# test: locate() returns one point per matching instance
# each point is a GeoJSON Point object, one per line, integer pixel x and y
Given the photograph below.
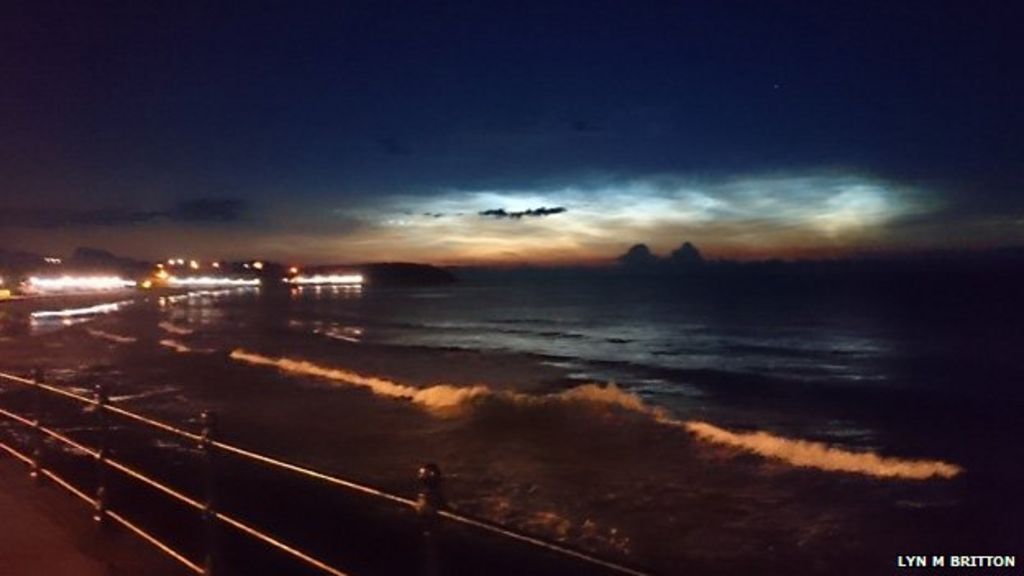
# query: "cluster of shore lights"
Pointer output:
{"type": "Point", "coordinates": [193, 264]}
{"type": "Point", "coordinates": [80, 283]}
{"type": "Point", "coordinates": [211, 281]}
{"type": "Point", "coordinates": [328, 279]}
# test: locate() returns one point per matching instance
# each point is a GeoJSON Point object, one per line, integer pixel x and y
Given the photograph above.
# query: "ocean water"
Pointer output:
{"type": "Point", "coordinates": [789, 425]}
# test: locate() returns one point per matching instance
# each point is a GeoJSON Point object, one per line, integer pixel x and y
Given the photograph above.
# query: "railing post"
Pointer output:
{"type": "Point", "coordinates": [36, 471]}
{"type": "Point", "coordinates": [100, 513]}
{"type": "Point", "coordinates": [428, 502]}
{"type": "Point", "coordinates": [429, 499]}
{"type": "Point", "coordinates": [209, 420]}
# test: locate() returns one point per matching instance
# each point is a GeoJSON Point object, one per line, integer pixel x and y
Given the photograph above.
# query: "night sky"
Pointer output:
{"type": "Point", "coordinates": [485, 132]}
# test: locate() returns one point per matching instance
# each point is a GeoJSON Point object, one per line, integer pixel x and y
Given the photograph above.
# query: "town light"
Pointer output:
{"type": "Point", "coordinates": [320, 279]}
{"type": "Point", "coordinates": [79, 283]}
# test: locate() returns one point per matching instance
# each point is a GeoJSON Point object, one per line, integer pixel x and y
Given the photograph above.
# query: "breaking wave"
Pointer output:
{"type": "Point", "coordinates": [822, 456]}
{"type": "Point", "coordinates": [796, 452]}
{"type": "Point", "coordinates": [437, 396]}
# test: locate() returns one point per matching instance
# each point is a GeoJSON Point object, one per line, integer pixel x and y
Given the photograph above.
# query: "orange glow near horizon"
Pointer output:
{"type": "Point", "coordinates": [825, 215]}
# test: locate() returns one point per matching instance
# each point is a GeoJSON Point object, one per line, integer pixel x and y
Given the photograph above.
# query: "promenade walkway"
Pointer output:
{"type": "Point", "coordinates": [45, 531]}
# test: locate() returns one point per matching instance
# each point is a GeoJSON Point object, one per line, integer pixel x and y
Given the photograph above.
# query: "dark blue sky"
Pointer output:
{"type": "Point", "coordinates": [369, 130]}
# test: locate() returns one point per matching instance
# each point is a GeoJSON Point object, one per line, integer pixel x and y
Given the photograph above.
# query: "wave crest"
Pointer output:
{"type": "Point", "coordinates": [796, 452]}
{"type": "Point", "coordinates": [436, 396]}
{"type": "Point", "coordinates": [804, 453]}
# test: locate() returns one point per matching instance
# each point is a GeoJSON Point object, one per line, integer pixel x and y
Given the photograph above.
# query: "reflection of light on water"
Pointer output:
{"type": "Point", "coordinates": [203, 295]}
{"type": "Point", "coordinates": [211, 281]}
{"type": "Point", "coordinates": [72, 312]}
{"type": "Point", "coordinates": [352, 334]}
{"type": "Point", "coordinates": [51, 319]}
{"type": "Point", "coordinates": [329, 290]}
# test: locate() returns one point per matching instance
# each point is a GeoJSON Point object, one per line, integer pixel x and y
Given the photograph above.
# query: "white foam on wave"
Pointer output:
{"type": "Point", "coordinates": [174, 329]}
{"type": "Point", "coordinates": [819, 455]}
{"type": "Point", "coordinates": [111, 337]}
{"type": "Point", "coordinates": [793, 451]}
{"type": "Point", "coordinates": [437, 396]}
{"type": "Point", "coordinates": [796, 452]}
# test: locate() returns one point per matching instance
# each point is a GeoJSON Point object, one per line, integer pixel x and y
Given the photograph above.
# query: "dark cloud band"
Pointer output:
{"type": "Point", "coordinates": [501, 213]}
{"type": "Point", "coordinates": [200, 210]}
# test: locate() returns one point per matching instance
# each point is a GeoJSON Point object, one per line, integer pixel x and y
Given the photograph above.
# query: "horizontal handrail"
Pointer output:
{"type": "Point", "coordinates": [283, 465]}
{"type": "Point", "coordinates": [16, 453]}
{"type": "Point", "coordinates": [155, 484]}
{"type": "Point", "coordinates": [496, 529]}
{"type": "Point", "coordinates": [152, 423]}
{"type": "Point", "coordinates": [267, 539]}
{"type": "Point", "coordinates": [17, 417]}
{"type": "Point", "coordinates": [309, 472]}
{"type": "Point", "coordinates": [156, 542]}
{"type": "Point", "coordinates": [48, 388]}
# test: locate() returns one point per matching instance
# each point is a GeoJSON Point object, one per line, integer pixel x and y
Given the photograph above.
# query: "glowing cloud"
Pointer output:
{"type": "Point", "coordinates": [757, 215]}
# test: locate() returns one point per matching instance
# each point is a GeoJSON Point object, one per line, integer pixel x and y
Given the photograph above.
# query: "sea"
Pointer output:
{"type": "Point", "coordinates": [772, 422]}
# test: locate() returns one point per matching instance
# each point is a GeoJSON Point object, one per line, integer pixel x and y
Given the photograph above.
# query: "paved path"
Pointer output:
{"type": "Point", "coordinates": [44, 531]}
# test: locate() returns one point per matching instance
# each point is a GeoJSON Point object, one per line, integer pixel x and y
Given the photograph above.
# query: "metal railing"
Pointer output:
{"type": "Point", "coordinates": [428, 505]}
